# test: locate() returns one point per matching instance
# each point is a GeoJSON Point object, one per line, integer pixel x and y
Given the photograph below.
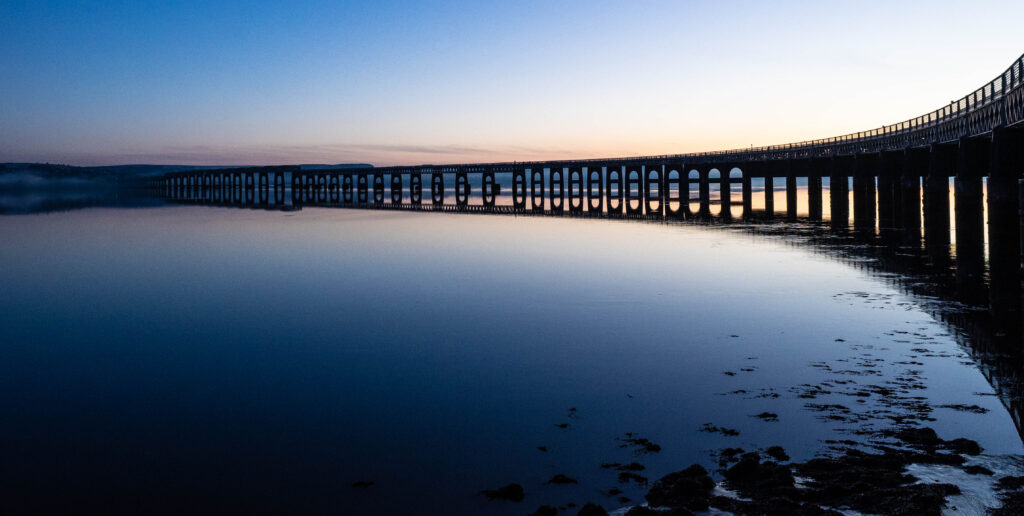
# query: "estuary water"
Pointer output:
{"type": "Point", "coordinates": [184, 359]}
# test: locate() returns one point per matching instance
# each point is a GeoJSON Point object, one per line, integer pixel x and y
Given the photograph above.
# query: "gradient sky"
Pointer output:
{"type": "Point", "coordinates": [389, 82]}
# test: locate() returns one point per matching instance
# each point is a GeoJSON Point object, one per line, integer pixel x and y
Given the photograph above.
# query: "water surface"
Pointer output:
{"type": "Point", "coordinates": [182, 358]}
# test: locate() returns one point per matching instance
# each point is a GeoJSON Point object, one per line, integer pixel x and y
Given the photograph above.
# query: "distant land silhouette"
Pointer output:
{"type": "Point", "coordinates": [46, 175]}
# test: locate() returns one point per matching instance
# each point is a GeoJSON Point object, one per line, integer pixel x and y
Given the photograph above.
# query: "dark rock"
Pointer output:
{"type": "Point", "coordinates": [591, 509]}
{"type": "Point", "coordinates": [641, 445]}
{"type": "Point", "coordinates": [965, 446]}
{"type": "Point", "coordinates": [977, 470]}
{"type": "Point", "coordinates": [711, 429]}
{"type": "Point", "coordinates": [756, 479]}
{"type": "Point", "coordinates": [965, 408]}
{"type": "Point", "coordinates": [632, 466]}
{"type": "Point", "coordinates": [542, 448]}
{"type": "Point", "coordinates": [768, 416]}
{"type": "Point", "coordinates": [777, 453]}
{"type": "Point", "coordinates": [562, 479]}
{"type": "Point", "coordinates": [512, 492]}
{"type": "Point", "coordinates": [545, 510]}
{"type": "Point", "coordinates": [688, 489]}
{"type": "Point", "coordinates": [362, 483]}
{"type": "Point", "coordinates": [1013, 504]}
{"type": "Point", "coordinates": [1010, 483]}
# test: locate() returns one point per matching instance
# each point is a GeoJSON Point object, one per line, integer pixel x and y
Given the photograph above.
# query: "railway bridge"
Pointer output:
{"type": "Point", "coordinates": [898, 175]}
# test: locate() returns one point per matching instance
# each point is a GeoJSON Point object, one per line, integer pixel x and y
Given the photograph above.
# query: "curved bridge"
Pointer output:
{"type": "Point", "coordinates": [954, 140]}
{"type": "Point", "coordinates": [893, 172]}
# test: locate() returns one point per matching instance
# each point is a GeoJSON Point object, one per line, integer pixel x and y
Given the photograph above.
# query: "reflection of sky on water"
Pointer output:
{"type": "Point", "coordinates": [277, 358]}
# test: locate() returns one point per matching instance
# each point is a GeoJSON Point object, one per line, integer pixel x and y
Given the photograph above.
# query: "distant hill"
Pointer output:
{"type": "Point", "coordinates": [46, 175]}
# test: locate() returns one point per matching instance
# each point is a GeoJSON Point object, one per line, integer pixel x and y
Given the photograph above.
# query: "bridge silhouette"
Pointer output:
{"type": "Point", "coordinates": [899, 177]}
{"type": "Point", "coordinates": [976, 136]}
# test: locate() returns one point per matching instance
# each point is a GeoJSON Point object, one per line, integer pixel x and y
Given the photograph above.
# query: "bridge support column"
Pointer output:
{"type": "Point", "coordinates": [748, 194]}
{"type": "Point", "coordinates": [971, 164]}
{"type": "Point", "coordinates": [814, 193]}
{"type": "Point", "coordinates": [519, 189]}
{"type": "Point", "coordinates": [436, 190]}
{"type": "Point", "coordinates": [537, 189]}
{"type": "Point", "coordinates": [941, 165]}
{"type": "Point", "coordinates": [416, 189]}
{"type": "Point", "coordinates": [595, 197]}
{"type": "Point", "coordinates": [576, 193]}
{"type": "Point", "coordinates": [634, 181]}
{"type": "Point", "coordinates": [490, 189]}
{"type": "Point", "coordinates": [654, 177]}
{"type": "Point", "coordinates": [556, 183]}
{"type": "Point", "coordinates": [915, 166]}
{"type": "Point", "coordinates": [613, 196]}
{"type": "Point", "coordinates": [396, 189]}
{"type": "Point", "coordinates": [462, 190]}
{"type": "Point", "coordinates": [890, 164]}
{"type": "Point", "coordinates": [769, 192]}
{"type": "Point", "coordinates": [725, 191]}
{"type": "Point", "coordinates": [790, 189]}
{"type": "Point", "coordinates": [865, 170]}
{"type": "Point", "coordinates": [1004, 227]}
{"type": "Point", "coordinates": [839, 201]}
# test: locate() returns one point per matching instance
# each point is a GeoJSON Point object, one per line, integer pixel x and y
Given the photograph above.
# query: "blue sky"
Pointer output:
{"type": "Point", "coordinates": [263, 82]}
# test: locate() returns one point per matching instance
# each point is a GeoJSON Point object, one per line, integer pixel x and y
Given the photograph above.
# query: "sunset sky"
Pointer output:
{"type": "Point", "coordinates": [273, 82]}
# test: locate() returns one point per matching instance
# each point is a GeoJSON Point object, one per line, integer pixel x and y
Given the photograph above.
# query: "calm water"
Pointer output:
{"type": "Point", "coordinates": [181, 358]}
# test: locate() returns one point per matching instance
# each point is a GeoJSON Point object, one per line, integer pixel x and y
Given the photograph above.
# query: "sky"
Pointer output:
{"type": "Point", "coordinates": [266, 82]}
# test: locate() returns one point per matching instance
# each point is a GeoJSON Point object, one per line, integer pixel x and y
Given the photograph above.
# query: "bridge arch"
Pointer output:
{"type": "Point", "coordinates": [694, 179]}
{"type": "Point", "coordinates": [714, 189]}
{"type": "Point", "coordinates": [735, 191]}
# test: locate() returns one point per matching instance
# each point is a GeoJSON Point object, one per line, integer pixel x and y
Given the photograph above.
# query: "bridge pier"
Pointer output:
{"type": "Point", "coordinates": [557, 179]}
{"type": "Point", "coordinates": [1004, 227]}
{"type": "Point", "coordinates": [519, 189]}
{"type": "Point", "coordinates": [865, 170]}
{"type": "Point", "coordinates": [725, 191]}
{"type": "Point", "coordinates": [614, 196]}
{"type": "Point", "coordinates": [839, 170]}
{"type": "Point", "coordinates": [890, 164]}
{"type": "Point", "coordinates": [462, 190]}
{"type": "Point", "coordinates": [941, 165]}
{"type": "Point", "coordinates": [378, 188]}
{"type": "Point", "coordinates": [296, 189]}
{"type": "Point", "coordinates": [769, 191]}
{"type": "Point", "coordinates": [279, 188]}
{"type": "Point", "coordinates": [971, 164]}
{"type": "Point", "coordinates": [748, 194]}
{"type": "Point", "coordinates": [362, 186]}
{"type": "Point", "coordinates": [576, 190]}
{"type": "Point", "coordinates": [490, 189]}
{"type": "Point", "coordinates": [915, 165]}
{"type": "Point", "coordinates": [790, 173]}
{"type": "Point", "coordinates": [396, 189]}
{"type": "Point", "coordinates": [814, 190]}
{"type": "Point", "coordinates": [654, 177]}
{"type": "Point", "coordinates": [537, 189]}
{"type": "Point", "coordinates": [680, 186]}
{"type": "Point", "coordinates": [595, 199]}
{"type": "Point", "coordinates": [416, 189]}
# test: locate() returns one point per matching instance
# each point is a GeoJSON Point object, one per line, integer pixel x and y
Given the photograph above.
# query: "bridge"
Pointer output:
{"type": "Point", "coordinates": [976, 136]}
{"type": "Point", "coordinates": [898, 175]}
